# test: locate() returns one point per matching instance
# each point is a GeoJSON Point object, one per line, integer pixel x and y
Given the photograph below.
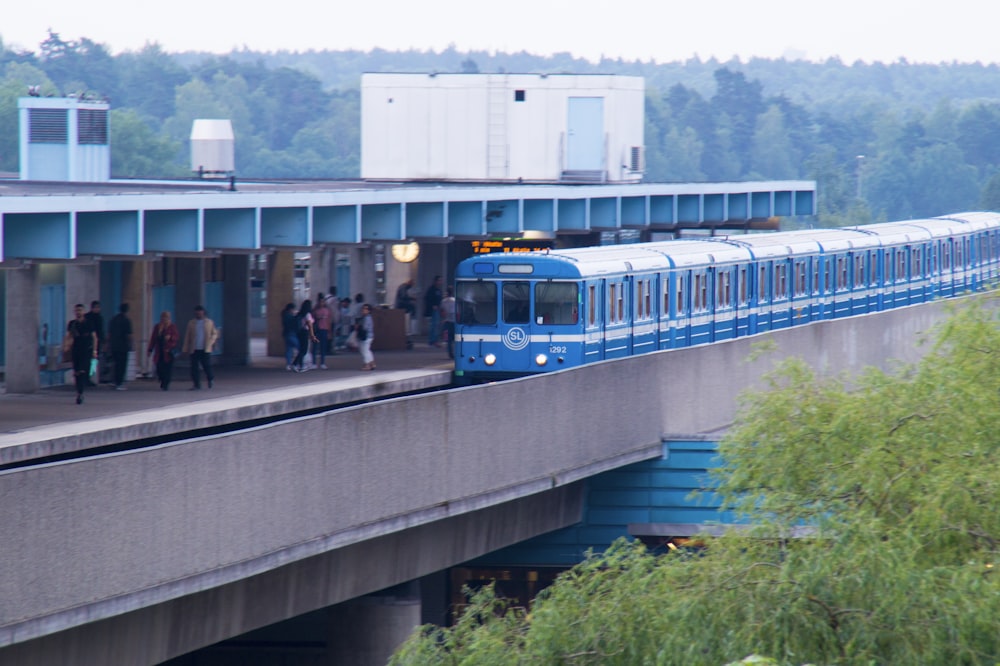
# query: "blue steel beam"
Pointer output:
{"type": "Point", "coordinates": [59, 225]}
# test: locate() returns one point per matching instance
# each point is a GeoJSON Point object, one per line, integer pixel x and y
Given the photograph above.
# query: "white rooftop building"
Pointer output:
{"type": "Point", "coordinates": [502, 127]}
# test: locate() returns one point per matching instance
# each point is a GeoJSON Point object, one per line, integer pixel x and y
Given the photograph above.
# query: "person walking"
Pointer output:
{"type": "Point", "coordinates": [81, 343]}
{"type": "Point", "coordinates": [162, 349]}
{"type": "Point", "coordinates": [120, 342]}
{"type": "Point", "coordinates": [306, 334]}
{"type": "Point", "coordinates": [324, 319]}
{"type": "Point", "coordinates": [290, 334]}
{"type": "Point", "coordinates": [365, 330]}
{"type": "Point", "coordinates": [96, 321]}
{"type": "Point", "coordinates": [199, 339]}
{"type": "Point", "coordinates": [448, 320]}
{"type": "Point", "coordinates": [432, 309]}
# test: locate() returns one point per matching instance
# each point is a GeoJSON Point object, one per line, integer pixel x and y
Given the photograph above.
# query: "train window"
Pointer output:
{"type": "Point", "coordinates": [616, 302]}
{"type": "Point", "coordinates": [946, 255]}
{"type": "Point", "coordinates": [648, 298]}
{"type": "Point", "coordinates": [828, 276]}
{"type": "Point", "coordinates": [762, 285]}
{"type": "Point", "coordinates": [516, 302]}
{"type": "Point", "coordinates": [639, 288]}
{"type": "Point", "coordinates": [612, 290]}
{"type": "Point", "coordinates": [841, 273]}
{"type": "Point", "coordinates": [681, 296]}
{"type": "Point", "coordinates": [591, 305]}
{"type": "Point", "coordinates": [476, 302]}
{"type": "Point", "coordinates": [959, 253]}
{"type": "Point", "coordinates": [780, 281]}
{"type": "Point", "coordinates": [916, 269]}
{"type": "Point", "coordinates": [859, 271]}
{"type": "Point", "coordinates": [742, 287]}
{"type": "Point", "coordinates": [800, 278]}
{"type": "Point", "coordinates": [724, 290]}
{"type": "Point", "coordinates": [556, 303]}
{"type": "Point", "coordinates": [900, 265]}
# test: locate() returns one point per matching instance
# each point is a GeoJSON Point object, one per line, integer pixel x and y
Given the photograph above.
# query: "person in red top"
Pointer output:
{"type": "Point", "coordinates": [324, 319]}
{"type": "Point", "coordinates": [163, 348]}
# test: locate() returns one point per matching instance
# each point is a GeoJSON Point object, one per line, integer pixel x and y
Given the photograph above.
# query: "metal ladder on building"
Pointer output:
{"type": "Point", "coordinates": [497, 163]}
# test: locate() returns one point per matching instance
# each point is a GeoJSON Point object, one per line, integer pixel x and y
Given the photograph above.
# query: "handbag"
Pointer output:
{"type": "Point", "coordinates": [93, 367]}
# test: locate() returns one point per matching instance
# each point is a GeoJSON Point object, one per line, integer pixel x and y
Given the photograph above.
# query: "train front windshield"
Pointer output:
{"type": "Point", "coordinates": [476, 303]}
{"type": "Point", "coordinates": [555, 303]}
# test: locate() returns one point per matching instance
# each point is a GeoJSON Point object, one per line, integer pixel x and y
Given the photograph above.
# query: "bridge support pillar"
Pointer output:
{"type": "Point", "coordinates": [280, 290]}
{"type": "Point", "coordinates": [22, 313]}
{"type": "Point", "coordinates": [366, 631]}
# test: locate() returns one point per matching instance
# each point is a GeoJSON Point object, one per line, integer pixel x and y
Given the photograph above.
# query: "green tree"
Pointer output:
{"type": "Point", "coordinates": [137, 151]}
{"type": "Point", "coordinates": [890, 480]}
{"type": "Point", "coordinates": [14, 85]}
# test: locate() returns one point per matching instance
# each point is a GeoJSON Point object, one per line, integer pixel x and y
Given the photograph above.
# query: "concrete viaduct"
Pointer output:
{"type": "Point", "coordinates": [140, 556]}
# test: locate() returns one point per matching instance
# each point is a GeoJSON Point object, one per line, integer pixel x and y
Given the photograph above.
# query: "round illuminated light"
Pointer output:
{"type": "Point", "coordinates": [405, 252]}
{"type": "Point", "coordinates": [490, 359]}
{"type": "Point", "coordinates": [541, 359]}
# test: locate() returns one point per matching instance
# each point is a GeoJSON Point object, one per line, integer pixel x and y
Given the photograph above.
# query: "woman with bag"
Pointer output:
{"type": "Point", "coordinates": [365, 331]}
{"type": "Point", "coordinates": [81, 344]}
{"type": "Point", "coordinates": [162, 348]}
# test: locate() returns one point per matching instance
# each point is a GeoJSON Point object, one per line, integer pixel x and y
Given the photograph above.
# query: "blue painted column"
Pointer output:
{"type": "Point", "coordinates": [22, 317]}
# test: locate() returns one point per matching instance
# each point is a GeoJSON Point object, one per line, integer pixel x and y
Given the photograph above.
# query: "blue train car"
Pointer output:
{"type": "Point", "coordinates": [529, 313]}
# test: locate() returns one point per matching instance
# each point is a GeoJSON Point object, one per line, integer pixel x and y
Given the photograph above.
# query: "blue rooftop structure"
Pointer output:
{"type": "Point", "coordinates": [64, 221]}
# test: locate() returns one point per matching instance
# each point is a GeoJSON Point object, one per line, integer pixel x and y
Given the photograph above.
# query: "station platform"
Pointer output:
{"type": "Point", "coordinates": [50, 423]}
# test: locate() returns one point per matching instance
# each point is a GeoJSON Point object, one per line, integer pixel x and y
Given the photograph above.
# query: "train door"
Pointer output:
{"type": "Point", "coordinates": [618, 329]}
{"type": "Point", "coordinates": [679, 308]}
{"type": "Point", "coordinates": [593, 323]}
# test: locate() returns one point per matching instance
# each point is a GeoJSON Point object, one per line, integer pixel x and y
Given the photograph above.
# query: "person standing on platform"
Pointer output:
{"type": "Point", "coordinates": [81, 343]}
{"type": "Point", "coordinates": [96, 320]}
{"type": "Point", "coordinates": [163, 348]}
{"type": "Point", "coordinates": [345, 325]}
{"type": "Point", "coordinates": [365, 331]}
{"type": "Point", "coordinates": [306, 334]}
{"type": "Point", "coordinates": [120, 342]}
{"type": "Point", "coordinates": [290, 334]}
{"type": "Point", "coordinates": [323, 318]}
{"type": "Point", "coordinates": [432, 309]}
{"type": "Point", "coordinates": [199, 339]}
{"type": "Point", "coordinates": [448, 320]}
{"type": "Point", "coordinates": [408, 304]}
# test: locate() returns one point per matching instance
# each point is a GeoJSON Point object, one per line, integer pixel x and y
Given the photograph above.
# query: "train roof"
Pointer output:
{"type": "Point", "coordinates": [611, 259]}
{"type": "Point", "coordinates": [605, 259]}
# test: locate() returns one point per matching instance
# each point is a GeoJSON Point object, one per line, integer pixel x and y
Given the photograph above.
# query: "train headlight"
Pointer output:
{"type": "Point", "coordinates": [490, 359]}
{"type": "Point", "coordinates": [541, 359]}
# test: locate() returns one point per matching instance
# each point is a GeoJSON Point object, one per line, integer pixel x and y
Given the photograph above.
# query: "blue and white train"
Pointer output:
{"type": "Point", "coordinates": [528, 313]}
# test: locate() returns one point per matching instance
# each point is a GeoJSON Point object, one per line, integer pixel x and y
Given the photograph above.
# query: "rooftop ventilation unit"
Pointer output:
{"type": "Point", "coordinates": [64, 138]}
{"type": "Point", "coordinates": [213, 148]}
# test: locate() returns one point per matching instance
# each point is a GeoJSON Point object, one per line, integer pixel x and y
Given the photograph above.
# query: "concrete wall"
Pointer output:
{"type": "Point", "coordinates": [107, 535]}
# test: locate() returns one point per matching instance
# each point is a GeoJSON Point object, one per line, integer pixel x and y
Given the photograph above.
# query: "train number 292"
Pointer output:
{"type": "Point", "coordinates": [557, 349]}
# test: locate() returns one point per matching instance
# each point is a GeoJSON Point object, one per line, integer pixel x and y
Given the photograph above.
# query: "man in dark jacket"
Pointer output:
{"type": "Point", "coordinates": [432, 309]}
{"type": "Point", "coordinates": [120, 342]}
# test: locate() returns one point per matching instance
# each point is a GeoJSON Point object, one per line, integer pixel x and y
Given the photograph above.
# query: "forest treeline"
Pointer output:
{"type": "Point", "coordinates": [883, 141]}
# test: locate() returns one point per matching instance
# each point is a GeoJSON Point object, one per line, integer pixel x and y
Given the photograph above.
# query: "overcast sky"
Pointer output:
{"type": "Point", "coordinates": [661, 30]}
